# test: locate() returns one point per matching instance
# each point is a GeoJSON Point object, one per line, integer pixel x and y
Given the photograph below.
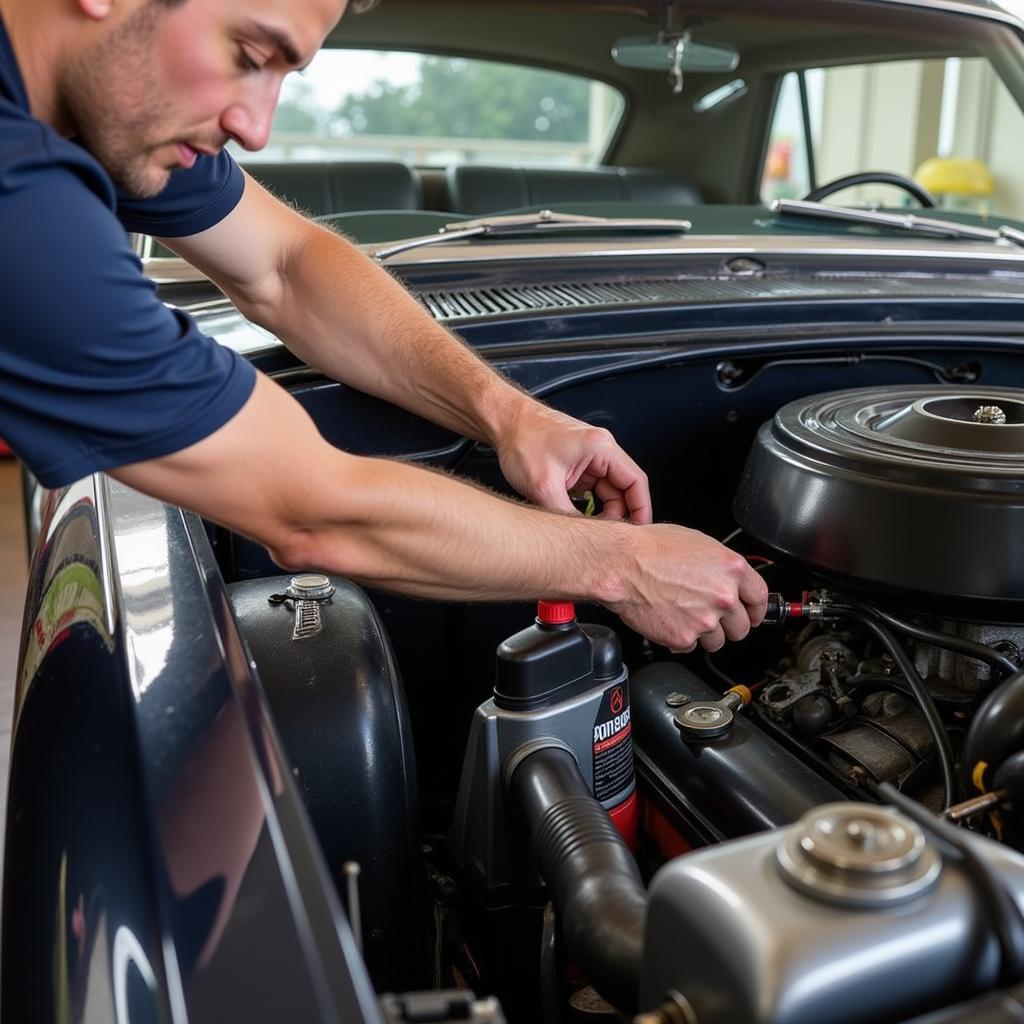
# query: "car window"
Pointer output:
{"type": "Point", "coordinates": [435, 110]}
{"type": "Point", "coordinates": [950, 124]}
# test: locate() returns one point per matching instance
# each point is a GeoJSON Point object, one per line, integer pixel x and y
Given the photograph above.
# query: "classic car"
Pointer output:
{"type": "Point", "coordinates": [238, 794]}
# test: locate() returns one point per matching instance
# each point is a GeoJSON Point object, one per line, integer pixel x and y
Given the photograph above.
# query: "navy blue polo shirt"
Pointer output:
{"type": "Point", "coordinates": [95, 372]}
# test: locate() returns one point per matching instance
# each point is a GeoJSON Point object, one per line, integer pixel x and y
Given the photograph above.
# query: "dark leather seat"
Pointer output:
{"type": "Point", "coordinates": [322, 188]}
{"type": "Point", "coordinates": [479, 188]}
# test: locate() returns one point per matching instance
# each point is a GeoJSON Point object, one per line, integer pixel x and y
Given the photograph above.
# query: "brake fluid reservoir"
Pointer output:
{"type": "Point", "coordinates": [559, 683]}
{"type": "Point", "coordinates": [849, 915]}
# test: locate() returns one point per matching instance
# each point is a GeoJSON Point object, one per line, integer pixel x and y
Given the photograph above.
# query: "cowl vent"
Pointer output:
{"type": "Point", "coordinates": [455, 304]}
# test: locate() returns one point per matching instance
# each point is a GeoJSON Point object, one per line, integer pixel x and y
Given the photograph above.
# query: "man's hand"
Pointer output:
{"type": "Point", "coordinates": [545, 454]}
{"type": "Point", "coordinates": [683, 588]}
{"type": "Point", "coordinates": [281, 271]}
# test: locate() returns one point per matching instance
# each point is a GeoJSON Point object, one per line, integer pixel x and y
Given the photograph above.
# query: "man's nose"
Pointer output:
{"type": "Point", "coordinates": [248, 120]}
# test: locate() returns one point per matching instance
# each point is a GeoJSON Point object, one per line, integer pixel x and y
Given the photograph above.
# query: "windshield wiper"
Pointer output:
{"type": "Point", "coordinates": [525, 225]}
{"type": "Point", "coordinates": [899, 221]}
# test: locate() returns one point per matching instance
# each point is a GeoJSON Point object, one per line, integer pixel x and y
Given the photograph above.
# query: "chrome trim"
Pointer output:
{"type": "Point", "coordinates": [308, 622]}
{"type": "Point", "coordinates": [724, 245]}
{"type": "Point", "coordinates": [164, 270]}
{"type": "Point", "coordinates": [171, 270]}
{"type": "Point", "coordinates": [107, 559]}
{"type": "Point", "coordinates": [141, 245]}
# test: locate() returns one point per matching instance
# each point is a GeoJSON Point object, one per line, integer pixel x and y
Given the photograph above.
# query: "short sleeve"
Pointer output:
{"type": "Point", "coordinates": [194, 200]}
{"type": "Point", "coordinates": [95, 372]}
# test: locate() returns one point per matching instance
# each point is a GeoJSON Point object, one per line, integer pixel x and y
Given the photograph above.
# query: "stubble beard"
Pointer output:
{"type": "Point", "coordinates": [113, 99]}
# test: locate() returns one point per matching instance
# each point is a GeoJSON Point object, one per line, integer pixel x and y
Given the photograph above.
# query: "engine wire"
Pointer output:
{"type": "Point", "coordinates": [961, 645]}
{"type": "Point", "coordinates": [999, 908]}
{"type": "Point", "coordinates": [942, 747]}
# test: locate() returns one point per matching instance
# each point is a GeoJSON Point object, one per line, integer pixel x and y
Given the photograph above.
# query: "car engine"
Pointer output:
{"type": "Point", "coordinates": [879, 705]}
{"type": "Point", "coordinates": [899, 510]}
{"type": "Point", "coordinates": [818, 825]}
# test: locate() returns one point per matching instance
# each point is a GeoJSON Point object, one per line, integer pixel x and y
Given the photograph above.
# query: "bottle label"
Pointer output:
{"type": "Point", "coordinates": [613, 747]}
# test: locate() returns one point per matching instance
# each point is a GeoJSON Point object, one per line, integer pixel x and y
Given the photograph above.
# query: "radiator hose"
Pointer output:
{"type": "Point", "coordinates": [593, 879]}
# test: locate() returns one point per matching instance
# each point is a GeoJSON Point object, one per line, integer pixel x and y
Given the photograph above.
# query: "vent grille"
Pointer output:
{"type": "Point", "coordinates": [469, 302]}
{"type": "Point", "coordinates": [458, 304]}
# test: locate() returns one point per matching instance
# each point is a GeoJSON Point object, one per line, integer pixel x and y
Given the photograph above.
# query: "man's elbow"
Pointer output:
{"type": "Point", "coordinates": [296, 549]}
{"type": "Point", "coordinates": [260, 301]}
{"type": "Point", "coordinates": [301, 549]}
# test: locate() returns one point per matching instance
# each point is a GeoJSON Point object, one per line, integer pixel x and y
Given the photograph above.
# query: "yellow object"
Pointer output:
{"type": "Point", "coordinates": [978, 776]}
{"type": "Point", "coordinates": [743, 691]}
{"type": "Point", "coordinates": [997, 824]}
{"type": "Point", "coordinates": [952, 176]}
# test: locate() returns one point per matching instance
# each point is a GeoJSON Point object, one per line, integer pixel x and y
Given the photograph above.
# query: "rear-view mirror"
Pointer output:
{"type": "Point", "coordinates": [671, 51]}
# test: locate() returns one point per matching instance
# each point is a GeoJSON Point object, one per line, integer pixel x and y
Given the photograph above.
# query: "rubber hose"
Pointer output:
{"type": "Point", "coordinates": [970, 648]}
{"type": "Point", "coordinates": [947, 764]}
{"type": "Point", "coordinates": [1001, 912]}
{"type": "Point", "coordinates": [593, 879]}
{"type": "Point", "coordinates": [996, 731]}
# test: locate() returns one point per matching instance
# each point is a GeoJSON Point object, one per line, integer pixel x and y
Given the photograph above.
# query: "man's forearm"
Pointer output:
{"type": "Point", "coordinates": [424, 533]}
{"type": "Point", "coordinates": [379, 521]}
{"type": "Point", "coordinates": [373, 335]}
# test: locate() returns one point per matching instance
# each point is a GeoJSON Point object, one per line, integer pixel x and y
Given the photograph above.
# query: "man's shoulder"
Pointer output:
{"type": "Point", "coordinates": [31, 152]}
{"type": "Point", "coordinates": [193, 200]}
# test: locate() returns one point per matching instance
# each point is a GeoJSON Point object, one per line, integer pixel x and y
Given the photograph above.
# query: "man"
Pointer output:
{"type": "Point", "coordinates": [96, 374]}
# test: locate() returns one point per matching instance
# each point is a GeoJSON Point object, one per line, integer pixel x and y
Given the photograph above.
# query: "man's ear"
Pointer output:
{"type": "Point", "coordinates": [95, 9]}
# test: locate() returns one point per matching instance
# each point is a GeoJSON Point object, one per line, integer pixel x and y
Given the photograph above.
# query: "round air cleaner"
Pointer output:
{"type": "Point", "coordinates": [915, 488]}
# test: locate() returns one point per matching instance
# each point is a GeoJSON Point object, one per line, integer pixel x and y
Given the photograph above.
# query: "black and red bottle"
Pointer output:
{"type": "Point", "coordinates": [571, 676]}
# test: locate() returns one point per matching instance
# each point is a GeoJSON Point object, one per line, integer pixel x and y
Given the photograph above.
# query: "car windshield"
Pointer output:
{"type": "Point", "coordinates": [433, 109]}
{"type": "Point", "coordinates": [418, 114]}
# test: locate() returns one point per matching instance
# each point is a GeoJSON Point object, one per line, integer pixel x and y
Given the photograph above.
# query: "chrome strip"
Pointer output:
{"type": "Point", "coordinates": [108, 561]}
{"type": "Point", "coordinates": [695, 246]}
{"type": "Point", "coordinates": [171, 270]}
{"type": "Point", "coordinates": [724, 245]}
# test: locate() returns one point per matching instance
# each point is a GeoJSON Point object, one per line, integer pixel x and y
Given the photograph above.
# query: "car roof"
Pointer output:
{"type": "Point", "coordinates": [578, 34]}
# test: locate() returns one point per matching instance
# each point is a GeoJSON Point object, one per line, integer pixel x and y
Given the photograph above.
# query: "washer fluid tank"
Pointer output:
{"type": "Point", "coordinates": [920, 489]}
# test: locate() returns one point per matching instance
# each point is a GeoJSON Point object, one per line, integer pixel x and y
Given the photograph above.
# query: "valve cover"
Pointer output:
{"type": "Point", "coordinates": [919, 488]}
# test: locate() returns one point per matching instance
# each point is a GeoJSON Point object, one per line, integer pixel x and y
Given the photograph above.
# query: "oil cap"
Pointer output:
{"type": "Point", "coordinates": [858, 855]}
{"type": "Point", "coordinates": [555, 613]}
{"type": "Point", "coordinates": [310, 586]}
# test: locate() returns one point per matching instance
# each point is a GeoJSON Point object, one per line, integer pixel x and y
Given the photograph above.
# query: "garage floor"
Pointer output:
{"type": "Point", "coordinates": [13, 575]}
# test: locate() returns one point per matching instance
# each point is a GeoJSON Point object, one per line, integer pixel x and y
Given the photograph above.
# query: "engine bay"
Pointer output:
{"type": "Point", "coordinates": [817, 824]}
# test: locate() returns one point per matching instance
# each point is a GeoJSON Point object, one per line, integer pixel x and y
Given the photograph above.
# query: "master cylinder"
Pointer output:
{"type": "Point", "coordinates": [557, 683]}
{"type": "Point", "coordinates": [854, 914]}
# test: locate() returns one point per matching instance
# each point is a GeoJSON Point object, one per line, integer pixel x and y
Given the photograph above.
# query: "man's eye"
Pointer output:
{"type": "Point", "coordinates": [245, 62]}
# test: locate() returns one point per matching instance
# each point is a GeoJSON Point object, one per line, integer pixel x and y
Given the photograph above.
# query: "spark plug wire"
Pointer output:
{"type": "Point", "coordinates": [780, 610]}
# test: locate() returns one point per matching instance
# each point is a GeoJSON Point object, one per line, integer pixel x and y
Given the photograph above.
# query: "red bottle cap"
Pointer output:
{"type": "Point", "coordinates": [555, 613]}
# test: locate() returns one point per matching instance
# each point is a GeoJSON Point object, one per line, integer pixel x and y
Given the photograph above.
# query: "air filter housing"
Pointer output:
{"type": "Point", "coordinates": [920, 489]}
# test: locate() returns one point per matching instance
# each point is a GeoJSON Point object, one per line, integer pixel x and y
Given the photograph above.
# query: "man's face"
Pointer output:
{"type": "Point", "coordinates": [162, 84]}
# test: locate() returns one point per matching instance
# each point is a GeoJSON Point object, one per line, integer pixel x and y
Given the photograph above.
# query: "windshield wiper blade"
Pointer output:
{"type": "Point", "coordinates": [527, 224]}
{"type": "Point", "coordinates": [900, 221]}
